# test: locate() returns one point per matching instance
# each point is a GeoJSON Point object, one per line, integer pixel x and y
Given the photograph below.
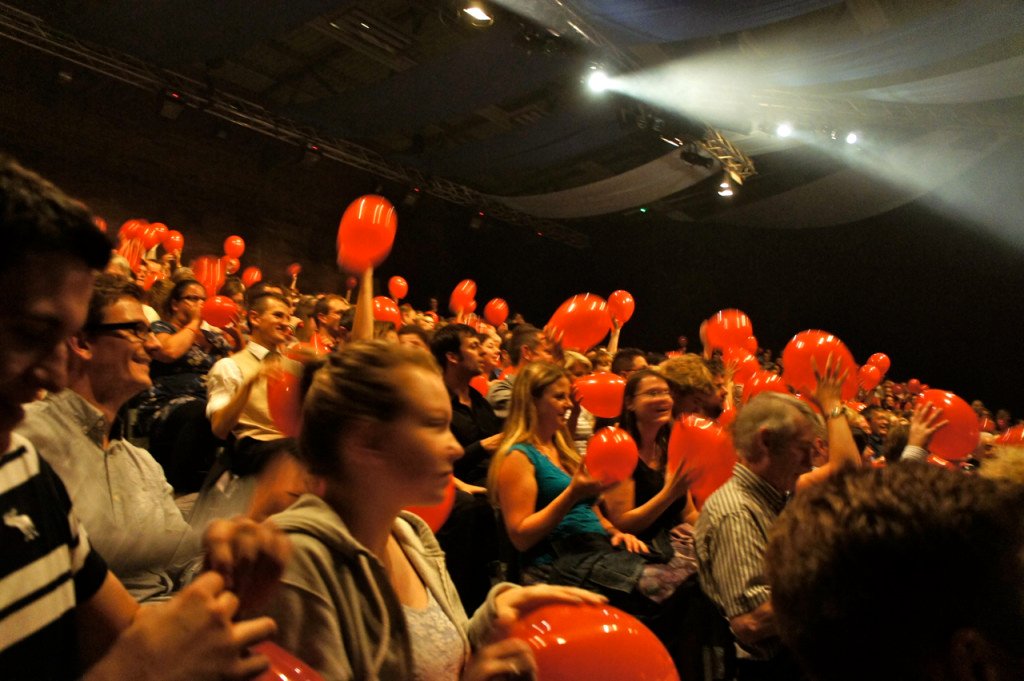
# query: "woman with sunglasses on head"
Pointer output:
{"type": "Point", "coordinates": [367, 595]}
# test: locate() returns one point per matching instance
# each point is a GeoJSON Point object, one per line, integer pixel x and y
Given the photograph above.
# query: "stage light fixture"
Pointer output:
{"type": "Point", "coordinates": [477, 15]}
{"type": "Point", "coordinates": [852, 138]}
{"type": "Point", "coordinates": [784, 129]}
{"type": "Point", "coordinates": [598, 80]}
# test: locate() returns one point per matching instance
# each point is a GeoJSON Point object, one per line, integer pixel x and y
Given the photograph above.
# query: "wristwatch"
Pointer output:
{"type": "Point", "coordinates": [836, 412]}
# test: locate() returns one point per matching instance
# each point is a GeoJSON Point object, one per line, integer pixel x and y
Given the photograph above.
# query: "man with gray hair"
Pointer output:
{"type": "Point", "coordinates": [774, 435]}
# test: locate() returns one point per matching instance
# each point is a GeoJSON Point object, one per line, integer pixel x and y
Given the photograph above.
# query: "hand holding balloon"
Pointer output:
{"type": "Point", "coordinates": [924, 423]}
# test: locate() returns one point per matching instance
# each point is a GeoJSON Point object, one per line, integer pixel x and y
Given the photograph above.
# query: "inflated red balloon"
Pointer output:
{"type": "Point", "coordinates": [151, 278]}
{"type": "Point", "coordinates": [750, 345]}
{"type": "Point", "coordinates": [727, 417]}
{"type": "Point", "coordinates": [856, 406]}
{"type": "Point", "coordinates": [252, 275]}
{"type": "Point", "coordinates": [471, 307]}
{"type": "Point", "coordinates": [746, 365]}
{"type": "Point", "coordinates": [958, 438]}
{"type": "Point", "coordinates": [154, 235]}
{"type": "Point", "coordinates": [914, 386]}
{"type": "Point", "coordinates": [174, 241]}
{"type": "Point", "coordinates": [480, 384]}
{"type": "Point", "coordinates": [283, 665]}
{"type": "Point", "coordinates": [398, 288]}
{"type": "Point", "coordinates": [727, 328]}
{"type": "Point", "coordinates": [234, 246]}
{"type": "Point", "coordinates": [986, 425]}
{"type": "Point", "coordinates": [219, 311]}
{"type": "Point", "coordinates": [880, 360]}
{"type": "Point", "coordinates": [580, 323]}
{"type": "Point", "coordinates": [231, 264]}
{"type": "Point", "coordinates": [285, 401]}
{"type": "Point", "coordinates": [621, 306]}
{"type": "Point", "coordinates": [209, 271]}
{"type": "Point", "coordinates": [386, 310]}
{"type": "Point", "coordinates": [707, 451]}
{"type": "Point", "coordinates": [294, 270]}
{"type": "Point", "coordinates": [496, 311]}
{"type": "Point", "coordinates": [601, 393]}
{"type": "Point", "coordinates": [763, 381]}
{"type": "Point", "coordinates": [436, 515]}
{"type": "Point", "coordinates": [366, 233]}
{"type": "Point", "coordinates": [817, 345]}
{"type": "Point", "coordinates": [592, 642]}
{"type": "Point", "coordinates": [1013, 437]}
{"type": "Point", "coordinates": [304, 353]}
{"type": "Point", "coordinates": [869, 376]}
{"type": "Point", "coordinates": [131, 229]}
{"type": "Point", "coordinates": [462, 295]}
{"type": "Point", "coordinates": [611, 455]}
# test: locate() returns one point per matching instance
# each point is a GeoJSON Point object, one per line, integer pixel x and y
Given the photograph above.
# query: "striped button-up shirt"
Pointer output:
{"type": "Point", "coordinates": [731, 540]}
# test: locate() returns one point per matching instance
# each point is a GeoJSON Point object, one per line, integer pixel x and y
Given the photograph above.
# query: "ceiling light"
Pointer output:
{"type": "Point", "coordinates": [784, 129]}
{"type": "Point", "coordinates": [478, 16]}
{"type": "Point", "coordinates": [852, 138]}
{"type": "Point", "coordinates": [598, 81]}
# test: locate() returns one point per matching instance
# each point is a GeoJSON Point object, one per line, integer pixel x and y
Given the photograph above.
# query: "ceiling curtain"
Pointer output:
{"type": "Point", "coordinates": [637, 187]}
{"type": "Point", "coordinates": [999, 80]}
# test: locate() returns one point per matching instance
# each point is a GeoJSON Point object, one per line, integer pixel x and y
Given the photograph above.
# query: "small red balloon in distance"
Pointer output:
{"type": "Point", "coordinates": [914, 386]}
{"type": "Point", "coordinates": [436, 515]}
{"type": "Point", "coordinates": [817, 345]}
{"type": "Point", "coordinates": [580, 323]}
{"type": "Point", "coordinates": [707, 451]}
{"type": "Point", "coordinates": [727, 328]}
{"type": "Point", "coordinates": [174, 241]}
{"type": "Point", "coordinates": [154, 235]}
{"type": "Point", "coordinates": [880, 360]}
{"type": "Point", "coordinates": [621, 306]}
{"type": "Point", "coordinates": [462, 295]}
{"type": "Point", "coordinates": [252, 275]}
{"type": "Point", "coordinates": [958, 438]}
{"type": "Point", "coordinates": [611, 455]}
{"type": "Point", "coordinates": [601, 393]}
{"type": "Point", "coordinates": [398, 288]}
{"type": "Point", "coordinates": [285, 401]}
{"type": "Point", "coordinates": [366, 233]}
{"type": "Point", "coordinates": [763, 381]}
{"type": "Point", "coordinates": [496, 311]}
{"type": "Point", "coordinates": [986, 425]}
{"type": "Point", "coordinates": [219, 311]}
{"type": "Point", "coordinates": [480, 384]}
{"type": "Point", "coordinates": [231, 264]}
{"type": "Point", "coordinates": [744, 363]}
{"type": "Point", "coordinates": [1013, 437]}
{"type": "Point", "coordinates": [209, 271]}
{"type": "Point", "coordinates": [283, 665]}
{"type": "Point", "coordinates": [386, 310]}
{"type": "Point", "coordinates": [592, 642]}
{"type": "Point", "coordinates": [869, 376]}
{"type": "Point", "coordinates": [350, 283]}
{"type": "Point", "coordinates": [294, 270]}
{"type": "Point", "coordinates": [234, 246]}
{"type": "Point", "coordinates": [100, 223]}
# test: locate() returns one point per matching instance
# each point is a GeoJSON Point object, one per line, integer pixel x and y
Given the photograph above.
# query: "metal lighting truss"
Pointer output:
{"type": "Point", "coordinates": [32, 31]}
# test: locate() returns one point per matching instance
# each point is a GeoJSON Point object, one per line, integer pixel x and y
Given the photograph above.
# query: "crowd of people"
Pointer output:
{"type": "Point", "coordinates": [156, 491]}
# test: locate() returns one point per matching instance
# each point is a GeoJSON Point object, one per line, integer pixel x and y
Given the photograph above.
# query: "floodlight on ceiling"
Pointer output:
{"type": "Point", "coordinates": [784, 129]}
{"type": "Point", "coordinates": [476, 15]}
{"type": "Point", "coordinates": [598, 80]}
{"type": "Point", "coordinates": [852, 138]}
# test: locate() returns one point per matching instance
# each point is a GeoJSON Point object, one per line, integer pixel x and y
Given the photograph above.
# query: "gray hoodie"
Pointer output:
{"type": "Point", "coordinates": [336, 609]}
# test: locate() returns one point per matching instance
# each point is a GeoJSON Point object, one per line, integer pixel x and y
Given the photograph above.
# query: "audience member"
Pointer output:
{"type": "Point", "coordinates": [527, 344]}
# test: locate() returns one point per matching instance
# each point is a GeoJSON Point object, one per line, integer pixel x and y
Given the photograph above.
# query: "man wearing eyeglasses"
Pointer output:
{"type": "Point", "coordinates": [118, 489]}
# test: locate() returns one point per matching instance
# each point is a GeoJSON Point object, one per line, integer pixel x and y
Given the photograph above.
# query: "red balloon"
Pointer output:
{"type": "Point", "coordinates": [746, 364]}
{"type": "Point", "coordinates": [869, 376]}
{"type": "Point", "coordinates": [398, 288]}
{"type": "Point", "coordinates": [154, 235]}
{"type": "Point", "coordinates": [880, 360]}
{"type": "Point", "coordinates": [285, 401]}
{"type": "Point", "coordinates": [914, 385]}
{"type": "Point", "coordinates": [219, 311]}
{"type": "Point", "coordinates": [763, 381]}
{"type": "Point", "coordinates": [131, 229]}
{"type": "Point", "coordinates": [174, 241]}
{"type": "Point", "coordinates": [856, 406]}
{"type": "Point", "coordinates": [312, 351]}
{"type": "Point", "coordinates": [726, 418]}
{"type": "Point", "coordinates": [496, 311]}
{"type": "Point", "coordinates": [386, 310]}
{"type": "Point", "coordinates": [817, 345]}
{"type": "Point", "coordinates": [707, 451]}
{"type": "Point", "coordinates": [611, 455]}
{"type": "Point", "coordinates": [209, 271]}
{"type": "Point", "coordinates": [252, 275]}
{"type": "Point", "coordinates": [480, 384]}
{"type": "Point", "coordinates": [1013, 437]}
{"type": "Point", "coordinates": [727, 328]}
{"type": "Point", "coordinates": [294, 270]}
{"type": "Point", "coordinates": [151, 278]}
{"type": "Point", "coordinates": [592, 642]}
{"type": "Point", "coordinates": [350, 283]}
{"type": "Point", "coordinates": [958, 438]}
{"type": "Point", "coordinates": [366, 233]}
{"type": "Point", "coordinates": [436, 515]}
{"type": "Point", "coordinates": [462, 295]}
{"type": "Point", "coordinates": [580, 323]}
{"type": "Point", "coordinates": [601, 393]}
{"type": "Point", "coordinates": [750, 345]}
{"type": "Point", "coordinates": [621, 306]}
{"type": "Point", "coordinates": [471, 307]}
{"type": "Point", "coordinates": [986, 425]}
{"type": "Point", "coordinates": [231, 264]}
{"type": "Point", "coordinates": [234, 246]}
{"type": "Point", "coordinates": [283, 665]}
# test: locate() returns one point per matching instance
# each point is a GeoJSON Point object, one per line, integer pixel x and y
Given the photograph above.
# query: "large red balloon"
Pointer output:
{"type": "Point", "coordinates": [283, 665]}
{"type": "Point", "coordinates": [252, 275]}
{"type": "Point", "coordinates": [209, 271]}
{"type": "Point", "coordinates": [131, 229]}
{"type": "Point", "coordinates": [154, 235]}
{"type": "Point", "coordinates": [621, 306]}
{"type": "Point", "coordinates": [707, 451]}
{"type": "Point", "coordinates": [880, 360]}
{"type": "Point", "coordinates": [592, 642]}
{"type": "Point", "coordinates": [601, 393]}
{"type": "Point", "coordinates": [817, 345]}
{"type": "Point", "coordinates": [366, 233]}
{"type": "Point", "coordinates": [234, 246]}
{"type": "Point", "coordinates": [462, 295]}
{"type": "Point", "coordinates": [398, 287]}
{"type": "Point", "coordinates": [174, 241]}
{"type": "Point", "coordinates": [869, 376]}
{"type": "Point", "coordinates": [219, 311]}
{"type": "Point", "coordinates": [727, 328]}
{"type": "Point", "coordinates": [611, 455]}
{"type": "Point", "coordinates": [496, 311]}
{"type": "Point", "coordinates": [436, 515]}
{"type": "Point", "coordinates": [386, 310]}
{"type": "Point", "coordinates": [763, 381]}
{"type": "Point", "coordinates": [745, 363]}
{"type": "Point", "coordinates": [958, 438]}
{"type": "Point", "coordinates": [580, 323]}
{"type": "Point", "coordinates": [285, 401]}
